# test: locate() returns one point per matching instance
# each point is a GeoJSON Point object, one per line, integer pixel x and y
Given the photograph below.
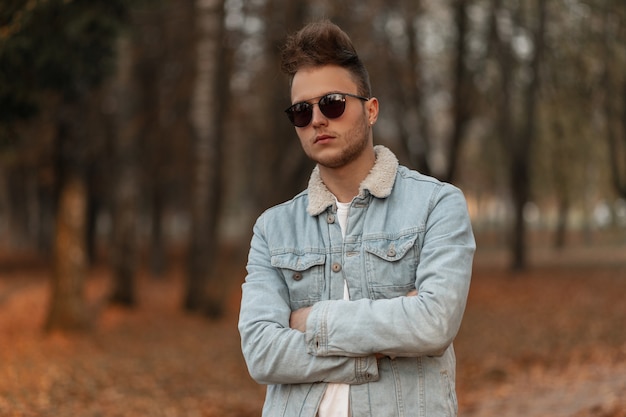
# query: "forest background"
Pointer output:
{"type": "Point", "coordinates": [150, 134]}
{"type": "Point", "coordinates": [142, 127]}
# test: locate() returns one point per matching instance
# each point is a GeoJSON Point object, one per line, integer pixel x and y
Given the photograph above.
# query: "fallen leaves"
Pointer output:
{"type": "Point", "coordinates": [548, 343]}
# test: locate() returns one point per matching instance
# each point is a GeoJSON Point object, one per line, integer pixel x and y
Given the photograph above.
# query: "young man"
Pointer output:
{"type": "Point", "coordinates": [357, 286]}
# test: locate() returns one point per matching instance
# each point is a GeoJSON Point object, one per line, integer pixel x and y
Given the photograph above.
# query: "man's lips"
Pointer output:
{"type": "Point", "coordinates": [323, 138]}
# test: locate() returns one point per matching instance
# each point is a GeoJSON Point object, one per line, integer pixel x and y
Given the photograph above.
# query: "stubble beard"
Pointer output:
{"type": "Point", "coordinates": [352, 151]}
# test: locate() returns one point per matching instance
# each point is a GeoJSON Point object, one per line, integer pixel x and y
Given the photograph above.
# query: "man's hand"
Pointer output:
{"type": "Point", "coordinates": [297, 320]}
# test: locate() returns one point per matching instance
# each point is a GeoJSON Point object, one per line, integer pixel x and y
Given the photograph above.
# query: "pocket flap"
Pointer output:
{"type": "Point", "coordinates": [298, 262]}
{"type": "Point", "coordinates": [391, 248]}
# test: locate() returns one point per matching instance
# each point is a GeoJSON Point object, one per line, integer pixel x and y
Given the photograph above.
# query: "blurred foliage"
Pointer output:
{"type": "Point", "coordinates": [55, 46]}
{"type": "Point", "coordinates": [436, 68]}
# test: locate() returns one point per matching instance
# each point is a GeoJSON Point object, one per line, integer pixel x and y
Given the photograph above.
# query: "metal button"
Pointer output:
{"type": "Point", "coordinates": [336, 267]}
{"type": "Point", "coordinates": [297, 276]}
{"type": "Point", "coordinates": [330, 219]}
{"type": "Point", "coordinates": [391, 252]}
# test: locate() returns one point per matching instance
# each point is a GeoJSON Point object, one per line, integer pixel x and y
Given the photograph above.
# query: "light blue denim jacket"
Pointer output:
{"type": "Point", "coordinates": [404, 231]}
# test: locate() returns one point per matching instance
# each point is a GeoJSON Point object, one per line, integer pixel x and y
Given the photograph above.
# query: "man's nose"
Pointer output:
{"type": "Point", "coordinates": [318, 118]}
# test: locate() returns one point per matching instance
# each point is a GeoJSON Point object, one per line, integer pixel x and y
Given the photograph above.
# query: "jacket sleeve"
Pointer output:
{"type": "Point", "coordinates": [407, 326]}
{"type": "Point", "coordinates": [275, 353]}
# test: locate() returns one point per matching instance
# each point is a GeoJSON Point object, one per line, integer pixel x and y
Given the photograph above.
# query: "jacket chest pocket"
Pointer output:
{"type": "Point", "coordinates": [303, 275]}
{"type": "Point", "coordinates": [390, 265]}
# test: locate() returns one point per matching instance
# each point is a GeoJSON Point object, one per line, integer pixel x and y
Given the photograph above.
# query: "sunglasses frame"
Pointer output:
{"type": "Point", "coordinates": [291, 112]}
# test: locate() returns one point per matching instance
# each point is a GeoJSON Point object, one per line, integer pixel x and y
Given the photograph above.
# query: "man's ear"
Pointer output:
{"type": "Point", "coordinates": [372, 110]}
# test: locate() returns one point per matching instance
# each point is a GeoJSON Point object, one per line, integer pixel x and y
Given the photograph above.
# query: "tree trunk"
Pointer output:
{"type": "Point", "coordinates": [518, 143]}
{"type": "Point", "coordinates": [561, 173]}
{"type": "Point", "coordinates": [279, 167]}
{"type": "Point", "coordinates": [620, 181]}
{"type": "Point", "coordinates": [522, 147]}
{"type": "Point", "coordinates": [520, 192]}
{"type": "Point", "coordinates": [406, 78]}
{"type": "Point", "coordinates": [67, 308]}
{"type": "Point", "coordinates": [124, 254]}
{"type": "Point", "coordinates": [617, 153]}
{"type": "Point", "coordinates": [18, 208]}
{"type": "Point", "coordinates": [504, 110]}
{"type": "Point", "coordinates": [561, 225]}
{"type": "Point", "coordinates": [208, 109]}
{"type": "Point", "coordinates": [124, 251]}
{"type": "Point", "coordinates": [158, 253]}
{"type": "Point", "coordinates": [93, 206]}
{"type": "Point", "coordinates": [461, 99]}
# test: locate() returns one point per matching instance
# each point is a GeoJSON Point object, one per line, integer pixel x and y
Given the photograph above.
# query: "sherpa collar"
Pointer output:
{"type": "Point", "coordinates": [378, 182]}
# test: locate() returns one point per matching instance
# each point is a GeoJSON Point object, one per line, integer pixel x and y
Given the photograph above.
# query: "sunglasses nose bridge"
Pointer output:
{"type": "Point", "coordinates": [317, 115]}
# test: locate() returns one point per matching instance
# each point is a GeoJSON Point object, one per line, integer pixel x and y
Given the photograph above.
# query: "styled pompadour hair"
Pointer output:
{"type": "Point", "coordinates": [324, 43]}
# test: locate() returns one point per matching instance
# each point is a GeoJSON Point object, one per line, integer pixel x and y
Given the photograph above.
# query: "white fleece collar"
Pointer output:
{"type": "Point", "coordinates": [379, 182]}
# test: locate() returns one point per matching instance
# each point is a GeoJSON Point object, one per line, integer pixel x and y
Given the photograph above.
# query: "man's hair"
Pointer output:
{"type": "Point", "coordinates": [324, 43]}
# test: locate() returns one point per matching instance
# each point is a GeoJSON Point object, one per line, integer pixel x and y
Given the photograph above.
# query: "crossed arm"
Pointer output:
{"type": "Point", "coordinates": [298, 318]}
{"type": "Point", "coordinates": [336, 340]}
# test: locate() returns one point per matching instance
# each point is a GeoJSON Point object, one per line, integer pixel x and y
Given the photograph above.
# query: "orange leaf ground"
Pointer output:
{"type": "Point", "coordinates": [550, 342]}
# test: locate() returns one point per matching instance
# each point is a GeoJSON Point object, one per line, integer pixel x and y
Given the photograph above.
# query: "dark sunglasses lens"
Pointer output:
{"type": "Point", "coordinates": [300, 114]}
{"type": "Point", "coordinates": [332, 105]}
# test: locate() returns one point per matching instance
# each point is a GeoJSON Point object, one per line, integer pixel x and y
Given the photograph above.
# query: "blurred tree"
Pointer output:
{"type": "Point", "coordinates": [405, 76]}
{"type": "Point", "coordinates": [65, 49]}
{"type": "Point", "coordinates": [517, 117]}
{"type": "Point", "coordinates": [462, 91]}
{"type": "Point", "coordinates": [426, 82]}
{"type": "Point", "coordinates": [280, 167]}
{"type": "Point", "coordinates": [565, 154]}
{"type": "Point", "coordinates": [166, 141]}
{"type": "Point", "coordinates": [614, 87]}
{"type": "Point", "coordinates": [210, 101]}
{"type": "Point", "coordinates": [67, 308]}
{"type": "Point", "coordinates": [457, 81]}
{"type": "Point", "coordinates": [150, 97]}
{"type": "Point", "coordinates": [125, 205]}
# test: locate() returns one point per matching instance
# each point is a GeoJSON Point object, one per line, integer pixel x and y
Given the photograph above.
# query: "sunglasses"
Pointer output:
{"type": "Point", "coordinates": [331, 105]}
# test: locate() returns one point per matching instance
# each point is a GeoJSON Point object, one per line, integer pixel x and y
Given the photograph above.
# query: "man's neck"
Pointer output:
{"type": "Point", "coordinates": [344, 182]}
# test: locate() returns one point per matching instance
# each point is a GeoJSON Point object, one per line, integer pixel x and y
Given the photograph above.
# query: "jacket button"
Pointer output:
{"type": "Point", "coordinates": [297, 276]}
{"type": "Point", "coordinates": [336, 267]}
{"type": "Point", "coordinates": [391, 252]}
{"type": "Point", "coordinates": [330, 219]}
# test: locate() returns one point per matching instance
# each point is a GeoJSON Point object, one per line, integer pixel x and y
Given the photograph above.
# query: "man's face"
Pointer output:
{"type": "Point", "coordinates": [333, 142]}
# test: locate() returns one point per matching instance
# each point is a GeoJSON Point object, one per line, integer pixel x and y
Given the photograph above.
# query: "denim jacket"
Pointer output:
{"type": "Point", "coordinates": [404, 231]}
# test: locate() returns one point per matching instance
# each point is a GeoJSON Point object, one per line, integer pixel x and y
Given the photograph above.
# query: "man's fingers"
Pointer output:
{"type": "Point", "coordinates": [298, 318]}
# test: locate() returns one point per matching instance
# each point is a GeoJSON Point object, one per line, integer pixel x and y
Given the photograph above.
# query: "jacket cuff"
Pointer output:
{"type": "Point", "coordinates": [366, 369]}
{"type": "Point", "coordinates": [316, 336]}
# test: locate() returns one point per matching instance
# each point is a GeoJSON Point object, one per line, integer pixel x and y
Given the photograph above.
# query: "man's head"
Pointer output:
{"type": "Point", "coordinates": [332, 107]}
{"type": "Point", "coordinates": [324, 43]}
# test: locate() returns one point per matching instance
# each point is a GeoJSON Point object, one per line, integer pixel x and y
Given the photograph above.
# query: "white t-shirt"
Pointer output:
{"type": "Point", "coordinates": [336, 399]}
